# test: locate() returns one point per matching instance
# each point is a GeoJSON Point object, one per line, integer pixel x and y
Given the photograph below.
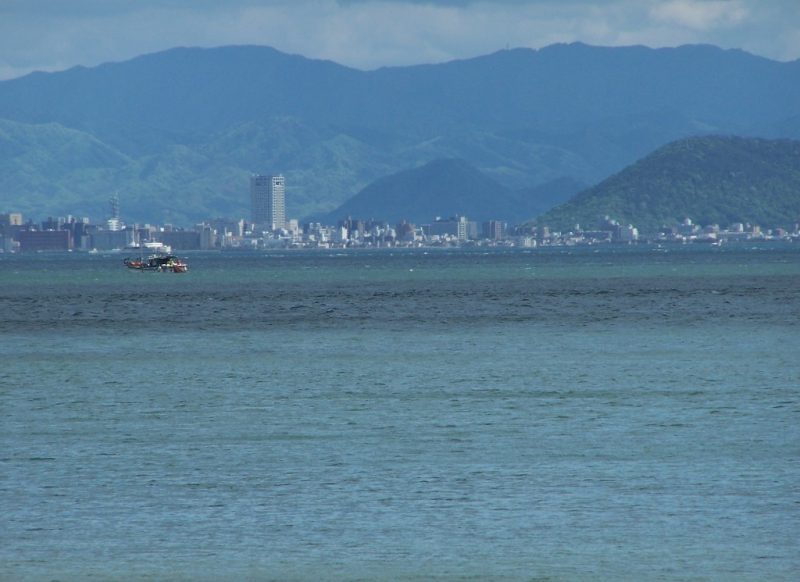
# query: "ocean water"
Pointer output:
{"type": "Point", "coordinates": [585, 414]}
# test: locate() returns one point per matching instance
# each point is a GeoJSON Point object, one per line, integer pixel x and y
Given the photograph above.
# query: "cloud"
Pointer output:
{"type": "Point", "coordinates": [701, 14]}
{"type": "Point", "coordinates": [53, 34]}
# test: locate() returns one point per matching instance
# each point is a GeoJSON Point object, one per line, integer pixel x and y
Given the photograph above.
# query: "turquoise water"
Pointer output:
{"type": "Point", "coordinates": [626, 414]}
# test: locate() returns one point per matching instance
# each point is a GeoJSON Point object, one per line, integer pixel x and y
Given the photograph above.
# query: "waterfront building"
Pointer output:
{"type": "Point", "coordinates": [106, 240]}
{"type": "Point", "coordinates": [45, 240]}
{"type": "Point", "coordinates": [226, 226]}
{"type": "Point", "coordinates": [181, 240]}
{"type": "Point", "coordinates": [542, 234]}
{"type": "Point", "coordinates": [494, 230]}
{"type": "Point", "coordinates": [11, 219]}
{"type": "Point", "coordinates": [627, 234]}
{"type": "Point", "coordinates": [268, 201]}
{"type": "Point", "coordinates": [458, 227]}
{"type": "Point", "coordinates": [406, 231]}
{"type": "Point", "coordinates": [10, 226]}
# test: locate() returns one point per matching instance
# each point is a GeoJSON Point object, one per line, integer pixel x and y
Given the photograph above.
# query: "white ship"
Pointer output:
{"type": "Point", "coordinates": [150, 247]}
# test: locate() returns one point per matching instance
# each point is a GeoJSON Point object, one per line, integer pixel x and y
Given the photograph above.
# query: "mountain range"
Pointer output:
{"type": "Point", "coordinates": [177, 133]}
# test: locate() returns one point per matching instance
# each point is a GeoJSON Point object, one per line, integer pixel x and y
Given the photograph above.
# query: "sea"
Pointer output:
{"type": "Point", "coordinates": [554, 414]}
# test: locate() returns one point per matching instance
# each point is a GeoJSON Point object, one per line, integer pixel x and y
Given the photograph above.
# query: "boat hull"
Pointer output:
{"type": "Point", "coordinates": [157, 264]}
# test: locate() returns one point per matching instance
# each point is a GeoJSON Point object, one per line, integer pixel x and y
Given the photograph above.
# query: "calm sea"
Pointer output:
{"type": "Point", "coordinates": [611, 414]}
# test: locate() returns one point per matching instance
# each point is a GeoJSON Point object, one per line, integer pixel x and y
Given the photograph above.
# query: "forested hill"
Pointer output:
{"type": "Point", "coordinates": [711, 179]}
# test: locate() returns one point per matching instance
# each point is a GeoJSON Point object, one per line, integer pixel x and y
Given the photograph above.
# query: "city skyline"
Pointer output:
{"type": "Point", "coordinates": [68, 234]}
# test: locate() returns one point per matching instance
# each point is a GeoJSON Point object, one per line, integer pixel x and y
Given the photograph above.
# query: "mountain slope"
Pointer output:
{"type": "Point", "coordinates": [539, 199]}
{"type": "Point", "coordinates": [64, 171]}
{"type": "Point", "coordinates": [441, 188]}
{"type": "Point", "coordinates": [712, 180]}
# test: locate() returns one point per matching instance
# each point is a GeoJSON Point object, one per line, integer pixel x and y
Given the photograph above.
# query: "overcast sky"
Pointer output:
{"type": "Point", "coordinates": [57, 34]}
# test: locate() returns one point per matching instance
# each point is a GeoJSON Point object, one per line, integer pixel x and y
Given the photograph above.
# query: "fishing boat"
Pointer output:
{"type": "Point", "coordinates": [157, 263]}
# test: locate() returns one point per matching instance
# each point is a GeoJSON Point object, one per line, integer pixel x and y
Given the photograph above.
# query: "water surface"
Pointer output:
{"type": "Point", "coordinates": [551, 415]}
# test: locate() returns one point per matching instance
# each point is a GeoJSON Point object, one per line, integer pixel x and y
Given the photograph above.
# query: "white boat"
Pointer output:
{"type": "Point", "coordinates": [150, 247]}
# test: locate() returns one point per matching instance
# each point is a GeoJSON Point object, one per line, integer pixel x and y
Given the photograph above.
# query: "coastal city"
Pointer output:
{"type": "Point", "coordinates": [268, 228]}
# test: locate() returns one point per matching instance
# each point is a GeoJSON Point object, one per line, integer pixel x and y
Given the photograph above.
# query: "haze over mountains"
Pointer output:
{"type": "Point", "coordinates": [178, 133]}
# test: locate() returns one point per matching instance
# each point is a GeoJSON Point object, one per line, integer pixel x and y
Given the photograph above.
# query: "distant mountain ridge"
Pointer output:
{"type": "Point", "coordinates": [711, 179]}
{"type": "Point", "coordinates": [181, 130]}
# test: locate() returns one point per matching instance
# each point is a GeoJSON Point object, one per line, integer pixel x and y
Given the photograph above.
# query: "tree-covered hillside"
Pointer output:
{"type": "Point", "coordinates": [711, 179]}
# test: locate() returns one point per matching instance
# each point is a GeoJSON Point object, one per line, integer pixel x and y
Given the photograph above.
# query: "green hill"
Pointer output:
{"type": "Point", "coordinates": [711, 179]}
{"type": "Point", "coordinates": [49, 167]}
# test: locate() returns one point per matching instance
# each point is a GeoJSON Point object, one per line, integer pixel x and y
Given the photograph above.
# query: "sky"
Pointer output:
{"type": "Point", "coordinates": [52, 35]}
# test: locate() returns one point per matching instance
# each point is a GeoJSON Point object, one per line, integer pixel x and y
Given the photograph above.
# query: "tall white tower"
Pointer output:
{"type": "Point", "coordinates": [268, 201]}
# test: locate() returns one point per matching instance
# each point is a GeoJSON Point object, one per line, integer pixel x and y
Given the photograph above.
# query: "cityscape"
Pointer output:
{"type": "Point", "coordinates": [269, 228]}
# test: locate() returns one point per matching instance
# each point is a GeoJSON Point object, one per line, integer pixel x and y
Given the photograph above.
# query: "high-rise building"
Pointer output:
{"type": "Point", "coordinates": [268, 201]}
{"type": "Point", "coordinates": [494, 230]}
{"type": "Point", "coordinates": [113, 222]}
{"type": "Point", "coordinates": [11, 219]}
